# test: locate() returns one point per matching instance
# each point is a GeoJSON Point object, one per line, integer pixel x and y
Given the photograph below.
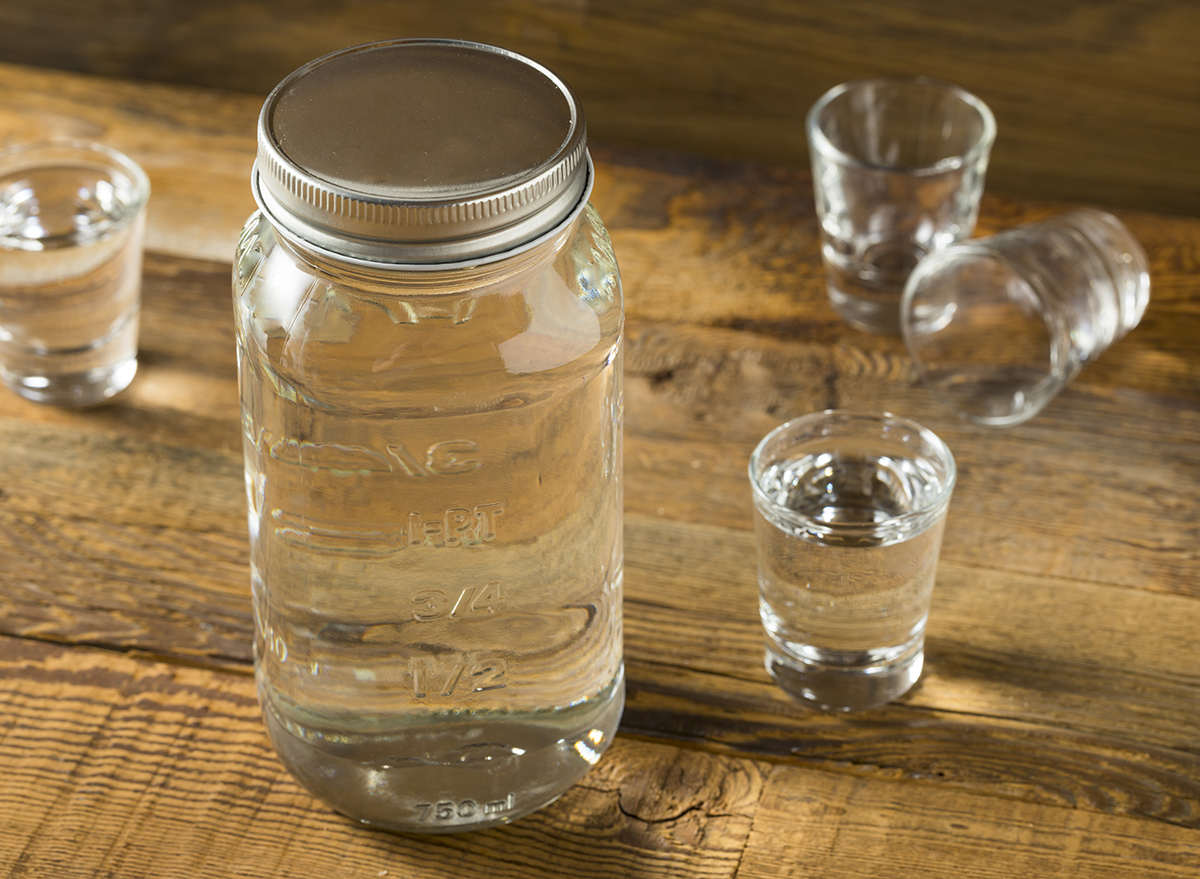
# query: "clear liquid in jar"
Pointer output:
{"type": "Point", "coordinates": [434, 509]}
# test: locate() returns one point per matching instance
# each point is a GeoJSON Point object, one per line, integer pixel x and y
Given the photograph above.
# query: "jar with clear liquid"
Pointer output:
{"type": "Point", "coordinates": [429, 322]}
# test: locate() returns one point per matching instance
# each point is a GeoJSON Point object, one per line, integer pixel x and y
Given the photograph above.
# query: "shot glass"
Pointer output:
{"type": "Point", "coordinates": [898, 168]}
{"type": "Point", "coordinates": [71, 225]}
{"type": "Point", "coordinates": [849, 513]}
{"type": "Point", "coordinates": [998, 326]}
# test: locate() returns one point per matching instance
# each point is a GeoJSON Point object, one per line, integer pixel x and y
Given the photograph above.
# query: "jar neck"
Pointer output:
{"type": "Point", "coordinates": [443, 279]}
{"type": "Point", "coordinates": [468, 274]}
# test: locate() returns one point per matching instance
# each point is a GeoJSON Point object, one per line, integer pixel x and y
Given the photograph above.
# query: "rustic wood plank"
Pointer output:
{"type": "Point", "coordinates": [1095, 101]}
{"type": "Point", "coordinates": [197, 146]}
{"type": "Point", "coordinates": [1004, 759]}
{"type": "Point", "coordinates": [1007, 513]}
{"type": "Point", "coordinates": [717, 243]}
{"type": "Point", "coordinates": [187, 316]}
{"type": "Point", "coordinates": [994, 631]}
{"type": "Point", "coordinates": [698, 400]}
{"type": "Point", "coordinates": [838, 828]}
{"type": "Point", "coordinates": [185, 392]}
{"type": "Point", "coordinates": [95, 476]}
{"type": "Point", "coordinates": [733, 245]}
{"type": "Point", "coordinates": [131, 767]}
{"type": "Point", "coordinates": [124, 767]}
{"type": "Point", "coordinates": [1028, 691]}
{"type": "Point", "coordinates": [139, 587]}
{"type": "Point", "coordinates": [1107, 678]}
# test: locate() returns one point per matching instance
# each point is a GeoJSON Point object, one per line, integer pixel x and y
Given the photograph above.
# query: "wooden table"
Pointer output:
{"type": "Point", "coordinates": [1055, 732]}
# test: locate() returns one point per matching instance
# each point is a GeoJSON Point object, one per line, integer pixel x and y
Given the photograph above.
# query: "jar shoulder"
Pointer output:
{"type": "Point", "coordinates": [545, 319]}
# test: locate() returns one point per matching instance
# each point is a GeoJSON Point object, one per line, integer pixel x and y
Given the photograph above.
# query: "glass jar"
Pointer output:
{"type": "Point", "coordinates": [429, 321]}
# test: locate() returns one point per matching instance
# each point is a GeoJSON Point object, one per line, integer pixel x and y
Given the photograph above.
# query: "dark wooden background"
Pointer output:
{"type": "Point", "coordinates": [1097, 101]}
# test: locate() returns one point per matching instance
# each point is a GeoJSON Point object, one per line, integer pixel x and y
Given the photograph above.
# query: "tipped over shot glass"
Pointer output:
{"type": "Point", "coordinates": [898, 168]}
{"type": "Point", "coordinates": [849, 513]}
{"type": "Point", "coordinates": [72, 217]}
{"type": "Point", "coordinates": [998, 326]}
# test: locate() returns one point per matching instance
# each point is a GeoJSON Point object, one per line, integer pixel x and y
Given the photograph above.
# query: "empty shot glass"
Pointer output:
{"type": "Point", "coordinates": [898, 168]}
{"type": "Point", "coordinates": [998, 326]}
{"type": "Point", "coordinates": [849, 513]}
{"type": "Point", "coordinates": [71, 225]}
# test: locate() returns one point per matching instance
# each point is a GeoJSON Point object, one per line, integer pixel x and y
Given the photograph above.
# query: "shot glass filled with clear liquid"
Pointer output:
{"type": "Point", "coordinates": [71, 225]}
{"type": "Point", "coordinates": [849, 513]}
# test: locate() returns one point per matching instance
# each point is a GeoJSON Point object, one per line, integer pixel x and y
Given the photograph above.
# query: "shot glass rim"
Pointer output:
{"type": "Point", "coordinates": [818, 141]}
{"type": "Point", "coordinates": [1058, 373]}
{"type": "Point", "coordinates": [932, 508]}
{"type": "Point", "coordinates": [101, 155]}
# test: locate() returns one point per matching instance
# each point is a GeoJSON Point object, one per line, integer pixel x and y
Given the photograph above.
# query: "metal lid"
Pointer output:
{"type": "Point", "coordinates": [420, 152]}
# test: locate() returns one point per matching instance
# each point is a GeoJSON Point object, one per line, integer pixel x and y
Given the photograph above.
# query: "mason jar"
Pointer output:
{"type": "Point", "coordinates": [429, 321]}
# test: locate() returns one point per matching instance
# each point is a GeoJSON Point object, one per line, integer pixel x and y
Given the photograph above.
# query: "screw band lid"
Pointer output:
{"type": "Point", "coordinates": [420, 152]}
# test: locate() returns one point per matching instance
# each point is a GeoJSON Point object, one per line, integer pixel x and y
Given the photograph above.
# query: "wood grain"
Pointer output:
{"type": "Point", "coordinates": [1128, 667]}
{"type": "Point", "coordinates": [122, 767]}
{"type": "Point", "coordinates": [118, 766]}
{"type": "Point", "coordinates": [845, 827]}
{"type": "Point", "coordinates": [1095, 101]}
{"type": "Point", "coordinates": [197, 147]}
{"type": "Point", "coordinates": [1000, 668]}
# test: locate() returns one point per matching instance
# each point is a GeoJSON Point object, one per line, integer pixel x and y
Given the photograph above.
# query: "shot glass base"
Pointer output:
{"type": "Point", "coordinates": [878, 313]}
{"type": "Point", "coordinates": [841, 681]}
{"type": "Point", "coordinates": [72, 390]}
